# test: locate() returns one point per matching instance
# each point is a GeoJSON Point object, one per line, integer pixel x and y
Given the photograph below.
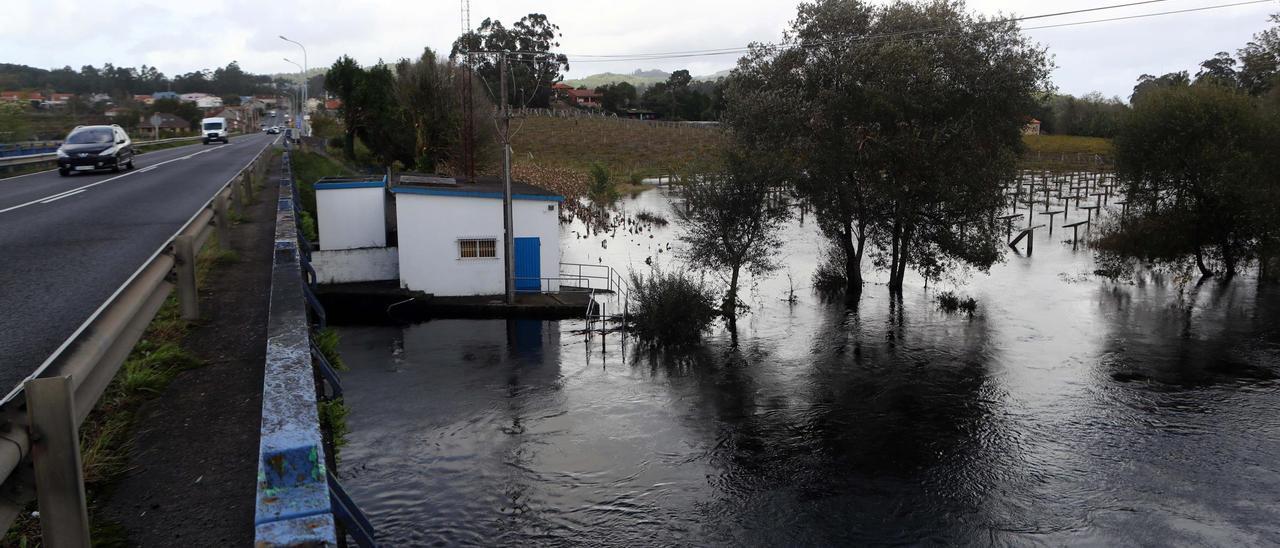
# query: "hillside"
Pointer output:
{"type": "Point", "coordinates": [637, 78]}
{"type": "Point", "coordinates": [624, 146]}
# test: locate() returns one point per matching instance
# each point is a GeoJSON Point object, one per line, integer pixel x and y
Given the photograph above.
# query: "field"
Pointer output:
{"type": "Point", "coordinates": [624, 146]}
{"type": "Point", "coordinates": [1067, 144]}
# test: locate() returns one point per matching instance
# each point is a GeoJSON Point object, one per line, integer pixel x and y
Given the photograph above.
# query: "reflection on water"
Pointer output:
{"type": "Point", "coordinates": [1069, 411]}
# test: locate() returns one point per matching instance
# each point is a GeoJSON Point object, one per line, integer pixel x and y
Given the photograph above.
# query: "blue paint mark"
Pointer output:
{"type": "Point", "coordinates": [472, 194]}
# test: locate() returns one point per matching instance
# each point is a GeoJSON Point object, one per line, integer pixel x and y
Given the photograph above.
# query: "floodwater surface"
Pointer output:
{"type": "Point", "coordinates": [1068, 410]}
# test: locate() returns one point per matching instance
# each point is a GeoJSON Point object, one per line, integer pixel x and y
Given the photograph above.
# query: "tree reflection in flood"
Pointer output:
{"type": "Point", "coordinates": [1070, 410]}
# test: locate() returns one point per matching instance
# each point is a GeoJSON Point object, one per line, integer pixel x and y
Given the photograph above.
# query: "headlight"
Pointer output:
{"type": "Point", "coordinates": [62, 154]}
{"type": "Point", "coordinates": [109, 152]}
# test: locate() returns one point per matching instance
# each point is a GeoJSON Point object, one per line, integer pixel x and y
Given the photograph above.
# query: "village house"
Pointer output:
{"type": "Point", "coordinates": [1031, 127]}
{"type": "Point", "coordinates": [584, 98]}
{"type": "Point", "coordinates": [449, 233]}
{"type": "Point", "coordinates": [144, 99]}
{"type": "Point", "coordinates": [332, 105]}
{"type": "Point", "coordinates": [192, 97]}
{"type": "Point", "coordinates": [165, 95]}
{"type": "Point", "coordinates": [59, 99]}
{"type": "Point", "coordinates": [170, 125]}
{"type": "Point", "coordinates": [209, 102]}
{"type": "Point", "coordinates": [114, 112]}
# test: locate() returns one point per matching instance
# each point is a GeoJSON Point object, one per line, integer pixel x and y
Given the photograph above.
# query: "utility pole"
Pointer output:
{"type": "Point", "coordinates": [508, 248]}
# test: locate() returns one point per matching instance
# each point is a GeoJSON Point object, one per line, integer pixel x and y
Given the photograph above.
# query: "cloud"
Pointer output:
{"type": "Point", "coordinates": [187, 36]}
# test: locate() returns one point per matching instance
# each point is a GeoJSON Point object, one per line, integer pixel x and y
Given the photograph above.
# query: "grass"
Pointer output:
{"type": "Point", "coordinates": [951, 303]}
{"type": "Point", "coordinates": [106, 435]}
{"type": "Point", "coordinates": [1065, 152]}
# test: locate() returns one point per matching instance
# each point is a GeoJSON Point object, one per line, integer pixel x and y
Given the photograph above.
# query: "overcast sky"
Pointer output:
{"type": "Point", "coordinates": [179, 37]}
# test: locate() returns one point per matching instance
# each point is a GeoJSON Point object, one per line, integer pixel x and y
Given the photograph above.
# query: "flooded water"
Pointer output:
{"type": "Point", "coordinates": [1069, 410]}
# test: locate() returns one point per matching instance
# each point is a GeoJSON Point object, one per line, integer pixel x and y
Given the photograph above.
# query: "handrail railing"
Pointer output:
{"type": "Point", "coordinates": [9, 161]}
{"type": "Point", "coordinates": [88, 359]}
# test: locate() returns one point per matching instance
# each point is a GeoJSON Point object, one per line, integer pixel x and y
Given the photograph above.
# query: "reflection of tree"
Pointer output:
{"type": "Point", "coordinates": [874, 439]}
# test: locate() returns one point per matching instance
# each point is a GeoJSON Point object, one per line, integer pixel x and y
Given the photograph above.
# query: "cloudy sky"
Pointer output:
{"type": "Point", "coordinates": [183, 36]}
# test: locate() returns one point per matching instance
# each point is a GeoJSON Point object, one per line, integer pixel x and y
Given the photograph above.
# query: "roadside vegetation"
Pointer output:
{"type": "Point", "coordinates": [106, 435]}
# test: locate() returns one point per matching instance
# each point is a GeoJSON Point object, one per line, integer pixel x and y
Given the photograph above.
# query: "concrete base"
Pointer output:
{"type": "Point", "coordinates": [385, 303]}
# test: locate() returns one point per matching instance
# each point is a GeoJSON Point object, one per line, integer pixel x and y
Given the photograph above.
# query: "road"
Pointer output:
{"type": "Point", "coordinates": [67, 243]}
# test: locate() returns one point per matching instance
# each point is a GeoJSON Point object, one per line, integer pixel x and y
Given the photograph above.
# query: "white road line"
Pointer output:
{"type": "Point", "coordinates": [50, 198]}
{"type": "Point", "coordinates": [64, 195]}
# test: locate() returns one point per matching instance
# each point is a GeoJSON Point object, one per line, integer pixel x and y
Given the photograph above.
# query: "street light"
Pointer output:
{"type": "Point", "coordinates": [296, 94]}
{"type": "Point", "coordinates": [304, 81]}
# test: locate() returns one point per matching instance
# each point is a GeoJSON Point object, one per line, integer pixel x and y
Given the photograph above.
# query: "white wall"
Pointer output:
{"type": "Point", "coordinates": [429, 227]}
{"type": "Point", "coordinates": [370, 264]}
{"type": "Point", "coordinates": [351, 218]}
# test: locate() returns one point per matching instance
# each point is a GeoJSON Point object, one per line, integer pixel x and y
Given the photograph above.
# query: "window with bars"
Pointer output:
{"type": "Point", "coordinates": [478, 248]}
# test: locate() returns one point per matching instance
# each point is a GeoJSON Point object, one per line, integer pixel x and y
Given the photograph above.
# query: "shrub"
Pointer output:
{"type": "Point", "coordinates": [951, 303]}
{"type": "Point", "coordinates": [670, 308]}
{"type": "Point", "coordinates": [599, 187]}
{"type": "Point", "coordinates": [652, 218]}
{"type": "Point", "coordinates": [829, 276]}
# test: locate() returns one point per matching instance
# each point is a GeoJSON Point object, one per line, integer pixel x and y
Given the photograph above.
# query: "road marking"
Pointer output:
{"type": "Point", "coordinates": [64, 195]}
{"type": "Point", "coordinates": [50, 198]}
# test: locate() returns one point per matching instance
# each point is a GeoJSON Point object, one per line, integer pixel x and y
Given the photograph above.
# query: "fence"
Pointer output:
{"type": "Point", "coordinates": [40, 418]}
{"type": "Point", "coordinates": [8, 163]}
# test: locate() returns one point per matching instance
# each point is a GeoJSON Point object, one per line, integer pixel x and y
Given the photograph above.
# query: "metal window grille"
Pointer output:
{"type": "Point", "coordinates": [478, 249]}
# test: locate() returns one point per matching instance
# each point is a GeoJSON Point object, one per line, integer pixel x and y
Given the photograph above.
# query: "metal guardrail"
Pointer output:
{"type": "Point", "coordinates": [41, 416]}
{"type": "Point", "coordinates": [11, 161]}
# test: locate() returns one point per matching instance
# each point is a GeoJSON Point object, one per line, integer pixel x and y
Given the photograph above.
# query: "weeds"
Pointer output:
{"type": "Point", "coordinates": [646, 216]}
{"type": "Point", "coordinates": [951, 303]}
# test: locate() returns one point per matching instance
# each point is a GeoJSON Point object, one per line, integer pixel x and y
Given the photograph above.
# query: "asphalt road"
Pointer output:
{"type": "Point", "coordinates": [67, 243]}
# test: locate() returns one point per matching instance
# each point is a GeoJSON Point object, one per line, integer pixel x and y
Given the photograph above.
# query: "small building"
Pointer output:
{"type": "Point", "coordinates": [332, 105]}
{"type": "Point", "coordinates": [114, 112]}
{"type": "Point", "coordinates": [209, 101]}
{"type": "Point", "coordinates": [59, 99]}
{"type": "Point", "coordinates": [639, 114]}
{"type": "Point", "coordinates": [165, 95]}
{"type": "Point", "coordinates": [170, 124]}
{"type": "Point", "coordinates": [192, 97]}
{"type": "Point", "coordinates": [144, 99]}
{"type": "Point", "coordinates": [448, 235]}
{"type": "Point", "coordinates": [584, 98]}
{"type": "Point", "coordinates": [1031, 127]}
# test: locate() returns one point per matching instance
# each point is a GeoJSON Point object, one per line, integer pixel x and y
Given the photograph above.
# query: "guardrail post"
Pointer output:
{"type": "Point", "coordinates": [236, 201]}
{"type": "Point", "coordinates": [185, 264]}
{"type": "Point", "coordinates": [55, 452]}
{"type": "Point", "coordinates": [221, 223]}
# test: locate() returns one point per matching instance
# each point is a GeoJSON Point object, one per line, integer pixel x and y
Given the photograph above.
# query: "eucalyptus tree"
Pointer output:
{"type": "Point", "coordinates": [903, 119]}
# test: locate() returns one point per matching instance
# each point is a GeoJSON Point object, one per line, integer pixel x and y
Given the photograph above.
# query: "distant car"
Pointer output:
{"type": "Point", "coordinates": [273, 130]}
{"type": "Point", "coordinates": [214, 129]}
{"type": "Point", "coordinates": [90, 148]}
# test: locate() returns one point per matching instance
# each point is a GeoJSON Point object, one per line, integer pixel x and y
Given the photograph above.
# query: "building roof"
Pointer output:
{"type": "Point", "coordinates": [167, 121]}
{"type": "Point", "coordinates": [583, 93]}
{"type": "Point", "coordinates": [483, 187]}
{"type": "Point", "coordinates": [561, 85]}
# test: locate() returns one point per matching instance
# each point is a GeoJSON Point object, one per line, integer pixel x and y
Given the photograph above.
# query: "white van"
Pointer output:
{"type": "Point", "coordinates": [214, 129]}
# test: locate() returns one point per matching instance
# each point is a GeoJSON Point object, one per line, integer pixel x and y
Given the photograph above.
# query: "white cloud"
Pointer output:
{"type": "Point", "coordinates": [180, 37]}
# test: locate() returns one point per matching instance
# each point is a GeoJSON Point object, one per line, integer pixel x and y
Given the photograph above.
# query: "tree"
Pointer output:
{"type": "Point", "coordinates": [426, 91]}
{"type": "Point", "coordinates": [1147, 82]}
{"type": "Point", "coordinates": [1197, 164]}
{"type": "Point", "coordinates": [902, 143]}
{"type": "Point", "coordinates": [181, 109]}
{"type": "Point", "coordinates": [13, 123]}
{"type": "Point", "coordinates": [1220, 70]}
{"type": "Point", "coordinates": [616, 97]}
{"type": "Point", "coordinates": [1260, 60]}
{"type": "Point", "coordinates": [731, 217]}
{"type": "Point", "coordinates": [532, 65]}
{"type": "Point", "coordinates": [342, 80]}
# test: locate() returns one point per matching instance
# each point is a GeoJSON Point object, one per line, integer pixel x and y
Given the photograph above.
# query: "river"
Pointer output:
{"type": "Point", "coordinates": [1068, 410]}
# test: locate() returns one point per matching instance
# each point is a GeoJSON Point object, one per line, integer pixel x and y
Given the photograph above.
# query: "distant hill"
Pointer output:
{"type": "Point", "coordinates": [637, 78]}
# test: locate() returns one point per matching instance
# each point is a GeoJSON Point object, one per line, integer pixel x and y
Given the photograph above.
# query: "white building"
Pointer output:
{"type": "Point", "coordinates": [194, 97]}
{"type": "Point", "coordinates": [209, 101]}
{"type": "Point", "coordinates": [450, 234]}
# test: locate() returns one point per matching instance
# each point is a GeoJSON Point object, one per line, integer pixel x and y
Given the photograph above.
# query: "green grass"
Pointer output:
{"type": "Point", "coordinates": [310, 166]}
{"type": "Point", "coordinates": [1067, 144]}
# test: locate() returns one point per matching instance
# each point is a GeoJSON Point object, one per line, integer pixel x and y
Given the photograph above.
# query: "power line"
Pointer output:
{"type": "Point", "coordinates": [740, 50]}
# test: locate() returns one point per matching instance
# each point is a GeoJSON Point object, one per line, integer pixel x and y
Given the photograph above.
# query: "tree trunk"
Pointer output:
{"type": "Point", "coordinates": [1204, 270]}
{"type": "Point", "coordinates": [349, 144]}
{"type": "Point", "coordinates": [852, 266]}
{"type": "Point", "coordinates": [730, 305]}
{"type": "Point", "coordinates": [1228, 260]}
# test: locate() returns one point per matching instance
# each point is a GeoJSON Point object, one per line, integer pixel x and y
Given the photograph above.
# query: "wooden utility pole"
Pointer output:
{"type": "Point", "coordinates": [508, 248]}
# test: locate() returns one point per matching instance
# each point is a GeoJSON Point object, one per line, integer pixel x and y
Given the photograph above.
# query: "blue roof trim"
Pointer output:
{"type": "Point", "coordinates": [349, 184]}
{"type": "Point", "coordinates": [472, 194]}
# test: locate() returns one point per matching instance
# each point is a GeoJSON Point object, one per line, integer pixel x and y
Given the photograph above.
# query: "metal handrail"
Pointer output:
{"type": "Point", "coordinates": [46, 156]}
{"type": "Point", "coordinates": [94, 352]}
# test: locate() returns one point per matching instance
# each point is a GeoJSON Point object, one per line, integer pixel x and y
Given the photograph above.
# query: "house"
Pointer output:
{"type": "Point", "coordinates": [144, 99]}
{"type": "Point", "coordinates": [236, 116]}
{"type": "Point", "coordinates": [1031, 126]}
{"type": "Point", "coordinates": [332, 105]}
{"type": "Point", "coordinates": [640, 114]}
{"type": "Point", "coordinates": [192, 97]}
{"type": "Point", "coordinates": [60, 98]}
{"type": "Point", "coordinates": [99, 98]}
{"type": "Point", "coordinates": [165, 95]}
{"type": "Point", "coordinates": [450, 234]}
{"type": "Point", "coordinates": [170, 124]}
{"type": "Point", "coordinates": [13, 96]}
{"type": "Point", "coordinates": [269, 100]}
{"type": "Point", "coordinates": [209, 101]}
{"type": "Point", "coordinates": [116, 111]}
{"type": "Point", "coordinates": [584, 98]}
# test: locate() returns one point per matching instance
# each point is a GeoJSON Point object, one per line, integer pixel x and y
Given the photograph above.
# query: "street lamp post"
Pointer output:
{"type": "Point", "coordinates": [301, 120]}
{"type": "Point", "coordinates": [305, 125]}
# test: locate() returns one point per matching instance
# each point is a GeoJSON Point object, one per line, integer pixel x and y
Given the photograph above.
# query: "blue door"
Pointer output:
{"type": "Point", "coordinates": [528, 264]}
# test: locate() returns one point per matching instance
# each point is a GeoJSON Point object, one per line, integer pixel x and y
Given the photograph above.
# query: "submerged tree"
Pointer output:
{"type": "Point", "coordinates": [904, 119]}
{"type": "Point", "coordinates": [1198, 162]}
{"type": "Point", "coordinates": [730, 219]}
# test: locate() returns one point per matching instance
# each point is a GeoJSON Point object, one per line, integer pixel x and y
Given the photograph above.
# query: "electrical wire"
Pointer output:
{"type": "Point", "coordinates": [583, 58]}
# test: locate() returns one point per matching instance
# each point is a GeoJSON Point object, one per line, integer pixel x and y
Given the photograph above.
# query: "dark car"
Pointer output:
{"type": "Point", "coordinates": [91, 148]}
